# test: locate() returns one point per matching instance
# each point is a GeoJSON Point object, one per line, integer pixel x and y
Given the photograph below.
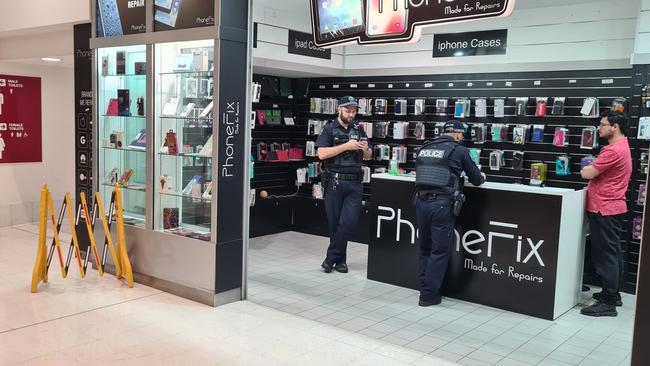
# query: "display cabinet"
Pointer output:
{"type": "Point", "coordinates": [183, 139]}
{"type": "Point", "coordinates": [122, 127]}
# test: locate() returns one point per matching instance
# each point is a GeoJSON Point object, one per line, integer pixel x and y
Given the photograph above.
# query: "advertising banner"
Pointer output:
{"type": "Point", "coordinates": [20, 119]}
{"type": "Point", "coordinates": [470, 43]}
{"type": "Point", "coordinates": [116, 18]}
{"type": "Point", "coordinates": [182, 14]}
{"type": "Point", "coordinates": [83, 109]}
{"type": "Point", "coordinates": [336, 22]}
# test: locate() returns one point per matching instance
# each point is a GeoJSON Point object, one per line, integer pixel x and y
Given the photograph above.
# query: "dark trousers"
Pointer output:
{"type": "Point", "coordinates": [606, 251]}
{"type": "Point", "coordinates": [343, 207]}
{"type": "Point", "coordinates": [435, 221]}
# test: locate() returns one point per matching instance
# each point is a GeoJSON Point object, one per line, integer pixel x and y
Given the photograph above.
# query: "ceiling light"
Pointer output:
{"type": "Point", "coordinates": [51, 59]}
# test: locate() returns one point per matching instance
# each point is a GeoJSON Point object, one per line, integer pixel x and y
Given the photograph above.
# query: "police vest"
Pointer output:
{"type": "Point", "coordinates": [347, 161]}
{"type": "Point", "coordinates": [432, 166]}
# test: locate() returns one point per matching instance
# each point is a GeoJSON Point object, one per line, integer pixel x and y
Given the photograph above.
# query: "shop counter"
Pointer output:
{"type": "Point", "coordinates": [517, 247]}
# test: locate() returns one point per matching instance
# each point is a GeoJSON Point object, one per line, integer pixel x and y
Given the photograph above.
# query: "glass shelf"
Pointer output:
{"type": "Point", "coordinates": [139, 76]}
{"type": "Point", "coordinates": [123, 149]}
{"type": "Point", "coordinates": [110, 115]}
{"type": "Point", "coordinates": [129, 187]}
{"type": "Point", "coordinates": [187, 118]}
{"type": "Point", "coordinates": [186, 155]}
{"type": "Point", "coordinates": [178, 194]}
{"type": "Point", "coordinates": [206, 73]}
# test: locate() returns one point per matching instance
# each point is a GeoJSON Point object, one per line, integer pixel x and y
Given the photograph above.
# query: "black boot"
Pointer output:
{"type": "Point", "coordinates": [600, 309]}
{"type": "Point", "coordinates": [327, 267]}
{"type": "Point", "coordinates": [599, 296]}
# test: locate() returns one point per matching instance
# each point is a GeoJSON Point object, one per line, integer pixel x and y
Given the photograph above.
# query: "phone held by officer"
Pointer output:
{"type": "Point", "coordinates": [438, 200]}
{"type": "Point", "coordinates": [342, 145]}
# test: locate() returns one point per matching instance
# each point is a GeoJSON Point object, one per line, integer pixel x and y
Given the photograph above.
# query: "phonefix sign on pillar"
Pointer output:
{"type": "Point", "coordinates": [20, 119]}
{"type": "Point", "coordinates": [393, 21]}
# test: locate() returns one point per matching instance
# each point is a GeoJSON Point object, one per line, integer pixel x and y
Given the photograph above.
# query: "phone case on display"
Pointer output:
{"type": "Point", "coordinates": [401, 106]}
{"type": "Point", "coordinates": [480, 107]}
{"type": "Point", "coordinates": [282, 155]}
{"type": "Point", "coordinates": [637, 225]}
{"type": "Point", "coordinates": [441, 107]}
{"type": "Point", "coordinates": [558, 106]}
{"type": "Point", "coordinates": [262, 151]}
{"type": "Point", "coordinates": [619, 105]}
{"type": "Point", "coordinates": [559, 137]}
{"type": "Point", "coordinates": [538, 173]}
{"type": "Point", "coordinates": [261, 117]}
{"type": "Point", "coordinates": [518, 160]}
{"type": "Point", "coordinates": [538, 133]}
{"type": "Point", "coordinates": [562, 165]}
{"type": "Point", "coordinates": [499, 108]}
{"type": "Point", "coordinates": [296, 153]}
{"type": "Point", "coordinates": [475, 154]}
{"type": "Point", "coordinates": [519, 135]}
{"type": "Point", "coordinates": [112, 109]}
{"type": "Point", "coordinates": [540, 109]}
{"type": "Point", "coordinates": [438, 129]}
{"type": "Point", "coordinates": [419, 131]}
{"type": "Point", "coordinates": [588, 139]}
{"type": "Point", "coordinates": [170, 139]}
{"type": "Point", "coordinates": [586, 161]}
{"type": "Point", "coordinates": [496, 158]}
{"type": "Point", "coordinates": [640, 199]}
{"type": "Point", "coordinates": [420, 107]}
{"type": "Point", "coordinates": [521, 106]}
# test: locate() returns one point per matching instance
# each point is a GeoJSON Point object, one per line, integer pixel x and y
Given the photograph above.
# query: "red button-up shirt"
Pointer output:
{"type": "Point", "coordinates": [606, 192]}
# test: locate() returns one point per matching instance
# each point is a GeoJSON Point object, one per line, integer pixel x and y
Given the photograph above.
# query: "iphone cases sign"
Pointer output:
{"type": "Point", "coordinates": [20, 119]}
{"type": "Point", "coordinates": [337, 22]}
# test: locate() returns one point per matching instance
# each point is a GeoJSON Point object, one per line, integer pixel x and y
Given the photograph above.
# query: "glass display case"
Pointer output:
{"type": "Point", "coordinates": [122, 132]}
{"type": "Point", "coordinates": [183, 138]}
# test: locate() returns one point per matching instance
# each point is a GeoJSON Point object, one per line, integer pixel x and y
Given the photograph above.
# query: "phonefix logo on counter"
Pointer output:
{"type": "Point", "coordinates": [337, 22]}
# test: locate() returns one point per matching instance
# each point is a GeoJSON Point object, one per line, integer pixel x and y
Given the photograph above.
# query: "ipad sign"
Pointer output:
{"type": "Point", "coordinates": [336, 22]}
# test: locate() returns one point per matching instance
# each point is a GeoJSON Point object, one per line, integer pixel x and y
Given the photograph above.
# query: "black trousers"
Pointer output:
{"type": "Point", "coordinates": [435, 219]}
{"type": "Point", "coordinates": [606, 251]}
{"type": "Point", "coordinates": [343, 208]}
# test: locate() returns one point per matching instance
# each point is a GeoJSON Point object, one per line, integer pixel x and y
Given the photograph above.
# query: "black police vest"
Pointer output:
{"type": "Point", "coordinates": [432, 166]}
{"type": "Point", "coordinates": [349, 161]}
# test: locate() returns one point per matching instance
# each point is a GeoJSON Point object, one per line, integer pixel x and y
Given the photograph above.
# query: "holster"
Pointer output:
{"type": "Point", "coordinates": [459, 200]}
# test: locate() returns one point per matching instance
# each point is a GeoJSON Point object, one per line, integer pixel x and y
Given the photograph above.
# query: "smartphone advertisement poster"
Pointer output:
{"type": "Point", "coordinates": [337, 22]}
{"type": "Point", "coordinates": [116, 18]}
{"type": "Point", "coordinates": [20, 119]}
{"type": "Point", "coordinates": [182, 14]}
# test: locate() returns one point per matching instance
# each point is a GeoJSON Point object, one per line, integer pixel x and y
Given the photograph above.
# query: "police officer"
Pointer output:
{"type": "Point", "coordinates": [342, 145]}
{"type": "Point", "coordinates": [439, 186]}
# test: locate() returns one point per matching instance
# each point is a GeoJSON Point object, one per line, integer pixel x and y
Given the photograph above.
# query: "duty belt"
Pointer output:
{"type": "Point", "coordinates": [430, 196]}
{"type": "Point", "coordinates": [347, 176]}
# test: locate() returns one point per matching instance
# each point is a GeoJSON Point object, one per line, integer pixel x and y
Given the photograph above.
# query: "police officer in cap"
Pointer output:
{"type": "Point", "coordinates": [439, 188]}
{"type": "Point", "coordinates": [342, 145]}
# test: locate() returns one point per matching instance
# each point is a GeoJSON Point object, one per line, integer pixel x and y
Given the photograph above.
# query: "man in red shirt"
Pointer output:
{"type": "Point", "coordinates": [608, 176]}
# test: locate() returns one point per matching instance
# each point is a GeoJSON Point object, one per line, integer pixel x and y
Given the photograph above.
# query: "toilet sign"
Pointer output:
{"type": "Point", "coordinates": [20, 119]}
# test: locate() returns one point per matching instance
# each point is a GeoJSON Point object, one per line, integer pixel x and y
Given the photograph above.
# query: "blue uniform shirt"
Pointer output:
{"type": "Point", "coordinates": [460, 161]}
{"type": "Point", "coordinates": [326, 139]}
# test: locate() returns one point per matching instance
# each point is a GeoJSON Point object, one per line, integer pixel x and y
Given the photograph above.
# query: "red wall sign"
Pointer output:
{"type": "Point", "coordinates": [20, 119]}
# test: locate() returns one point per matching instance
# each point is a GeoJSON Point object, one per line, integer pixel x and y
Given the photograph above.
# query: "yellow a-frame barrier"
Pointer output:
{"type": "Point", "coordinates": [119, 254]}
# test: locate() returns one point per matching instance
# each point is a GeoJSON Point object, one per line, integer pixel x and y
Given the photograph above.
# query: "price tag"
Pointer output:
{"type": "Point", "coordinates": [508, 83]}
{"type": "Point", "coordinates": [428, 85]}
{"type": "Point", "coordinates": [451, 85]}
{"type": "Point", "coordinates": [607, 81]}
{"type": "Point", "coordinates": [489, 83]}
{"type": "Point", "coordinates": [371, 85]}
{"type": "Point", "coordinates": [573, 81]}
{"type": "Point", "coordinates": [537, 83]}
{"type": "Point", "coordinates": [390, 86]}
{"type": "Point", "coordinates": [276, 106]}
{"type": "Point", "coordinates": [408, 85]}
{"type": "Point", "coordinates": [470, 84]}
{"type": "Point", "coordinates": [321, 87]}
{"type": "Point", "coordinates": [353, 86]}
{"type": "Point", "coordinates": [335, 86]}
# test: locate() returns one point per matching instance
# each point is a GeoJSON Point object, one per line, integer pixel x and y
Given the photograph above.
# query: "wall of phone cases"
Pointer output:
{"type": "Point", "coordinates": [536, 128]}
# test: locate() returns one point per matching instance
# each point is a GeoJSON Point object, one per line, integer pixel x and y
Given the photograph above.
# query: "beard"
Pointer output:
{"type": "Point", "coordinates": [346, 120]}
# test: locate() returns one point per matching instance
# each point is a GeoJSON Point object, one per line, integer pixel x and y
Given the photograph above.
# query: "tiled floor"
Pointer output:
{"type": "Point", "coordinates": [284, 274]}
{"type": "Point", "coordinates": [99, 321]}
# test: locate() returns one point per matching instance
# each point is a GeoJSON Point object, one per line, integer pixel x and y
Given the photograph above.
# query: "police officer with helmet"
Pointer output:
{"type": "Point", "coordinates": [342, 145]}
{"type": "Point", "coordinates": [438, 199]}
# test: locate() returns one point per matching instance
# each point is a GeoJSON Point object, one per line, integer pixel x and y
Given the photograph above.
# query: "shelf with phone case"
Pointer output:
{"type": "Point", "coordinates": [183, 138]}
{"type": "Point", "coordinates": [122, 135]}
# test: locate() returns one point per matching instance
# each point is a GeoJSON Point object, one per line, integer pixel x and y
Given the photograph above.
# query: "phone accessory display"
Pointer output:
{"type": "Point", "coordinates": [191, 88]}
{"type": "Point", "coordinates": [478, 132]}
{"type": "Point", "coordinates": [170, 107]}
{"type": "Point", "coordinates": [645, 97]}
{"type": "Point", "coordinates": [496, 160]}
{"type": "Point", "coordinates": [521, 104]}
{"type": "Point", "coordinates": [562, 165]}
{"type": "Point", "coordinates": [462, 108]}
{"type": "Point", "coordinates": [256, 92]}
{"type": "Point", "coordinates": [317, 191]}
{"type": "Point", "coordinates": [399, 153]}
{"type": "Point", "coordinates": [499, 108]}
{"type": "Point", "coordinates": [637, 225]}
{"type": "Point", "coordinates": [120, 62]}
{"type": "Point", "coordinates": [366, 174]}
{"type": "Point", "coordinates": [538, 173]}
{"type": "Point", "coordinates": [538, 133]}
{"type": "Point", "coordinates": [116, 139]}
{"type": "Point", "coordinates": [499, 132]}
{"type": "Point", "coordinates": [560, 137]}
{"type": "Point", "coordinates": [315, 105]}
{"type": "Point", "coordinates": [140, 141]}
{"type": "Point", "coordinates": [590, 108]}
{"type": "Point", "coordinates": [126, 176]}
{"type": "Point", "coordinates": [381, 152]}
{"type": "Point", "coordinates": [171, 145]}
{"type": "Point", "coordinates": [112, 177]}
{"type": "Point", "coordinates": [588, 139]}
{"type": "Point", "coordinates": [518, 160]}
{"type": "Point", "coordinates": [194, 187]}
{"type": "Point", "coordinates": [140, 104]}
{"type": "Point", "coordinates": [367, 128]}
{"type": "Point", "coordinates": [643, 163]}
{"type": "Point", "coordinates": [365, 106]}
{"type": "Point", "coordinates": [381, 129]}
{"type": "Point", "coordinates": [643, 132]}
{"type": "Point", "coordinates": [165, 183]}
{"type": "Point", "coordinates": [640, 198]}
{"type": "Point", "coordinates": [519, 134]}
{"type": "Point", "coordinates": [619, 105]}
{"type": "Point", "coordinates": [123, 102]}
{"type": "Point", "coordinates": [112, 109]}
{"type": "Point", "coordinates": [540, 108]}
{"type": "Point", "coordinates": [288, 118]}
{"type": "Point", "coordinates": [441, 106]}
{"type": "Point", "coordinates": [401, 107]}
{"type": "Point", "coordinates": [475, 155]}
{"type": "Point", "coordinates": [310, 148]}
{"type": "Point", "coordinates": [261, 117]}
{"type": "Point", "coordinates": [480, 107]}
{"type": "Point", "coordinates": [586, 161]}
{"type": "Point", "coordinates": [323, 105]}
{"type": "Point", "coordinates": [313, 170]}
{"type": "Point", "coordinates": [273, 117]}
{"type": "Point", "coordinates": [420, 107]}
{"type": "Point", "coordinates": [558, 106]}
{"type": "Point", "coordinates": [315, 126]}
{"type": "Point", "coordinates": [381, 106]}
{"type": "Point", "coordinates": [207, 192]}
{"type": "Point", "coordinates": [438, 129]}
{"type": "Point", "coordinates": [420, 131]}
{"type": "Point", "coordinates": [400, 130]}
{"type": "Point", "coordinates": [206, 150]}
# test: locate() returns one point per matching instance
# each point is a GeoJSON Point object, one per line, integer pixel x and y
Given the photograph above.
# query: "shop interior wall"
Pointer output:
{"type": "Point", "coordinates": [642, 42]}
{"type": "Point", "coordinates": [30, 15]}
{"type": "Point", "coordinates": [21, 183]}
